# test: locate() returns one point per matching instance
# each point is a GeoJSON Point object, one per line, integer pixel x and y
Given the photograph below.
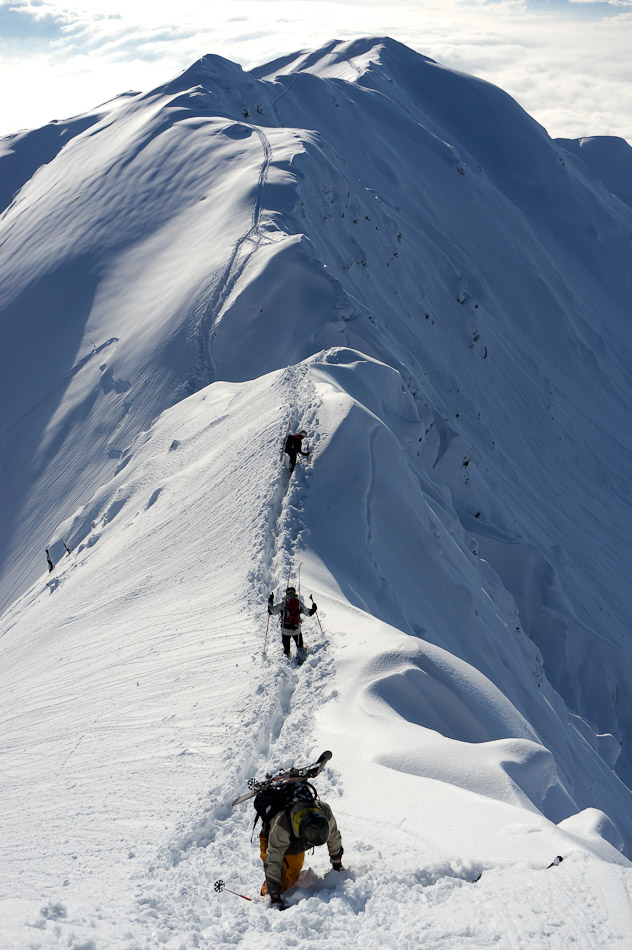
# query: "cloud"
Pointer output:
{"type": "Point", "coordinates": [21, 20]}
{"type": "Point", "coordinates": [573, 76]}
{"type": "Point", "coordinates": [567, 63]}
{"type": "Point", "coordinates": [127, 43]}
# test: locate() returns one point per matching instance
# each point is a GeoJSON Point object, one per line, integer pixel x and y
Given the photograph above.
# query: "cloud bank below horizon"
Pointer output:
{"type": "Point", "coordinates": [567, 62]}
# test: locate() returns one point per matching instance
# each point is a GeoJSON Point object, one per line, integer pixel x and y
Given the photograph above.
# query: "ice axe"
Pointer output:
{"type": "Point", "coordinates": [220, 886]}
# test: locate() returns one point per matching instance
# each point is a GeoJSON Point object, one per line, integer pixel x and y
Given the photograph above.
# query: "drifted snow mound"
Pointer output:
{"type": "Point", "coordinates": [591, 825]}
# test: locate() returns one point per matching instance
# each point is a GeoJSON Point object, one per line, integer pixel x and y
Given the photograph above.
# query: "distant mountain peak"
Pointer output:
{"type": "Point", "coordinates": [207, 71]}
{"type": "Point", "coordinates": [343, 59]}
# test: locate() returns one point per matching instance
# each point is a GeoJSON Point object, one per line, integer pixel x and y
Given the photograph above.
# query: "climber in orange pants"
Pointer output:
{"type": "Point", "coordinates": [291, 866]}
{"type": "Point", "coordinates": [305, 824]}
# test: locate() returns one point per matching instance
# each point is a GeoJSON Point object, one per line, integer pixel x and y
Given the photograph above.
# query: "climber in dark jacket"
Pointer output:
{"type": "Point", "coordinates": [293, 447]}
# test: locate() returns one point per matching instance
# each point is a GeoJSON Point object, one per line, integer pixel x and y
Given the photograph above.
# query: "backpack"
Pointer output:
{"type": "Point", "coordinates": [292, 613]}
{"type": "Point", "coordinates": [270, 801]}
{"type": "Point", "coordinates": [293, 443]}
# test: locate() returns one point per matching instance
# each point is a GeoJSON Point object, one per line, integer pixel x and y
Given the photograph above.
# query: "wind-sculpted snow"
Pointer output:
{"type": "Point", "coordinates": [396, 258]}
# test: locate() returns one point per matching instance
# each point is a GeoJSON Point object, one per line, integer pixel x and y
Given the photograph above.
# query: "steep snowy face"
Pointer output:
{"type": "Point", "coordinates": [115, 258]}
{"type": "Point", "coordinates": [488, 268]}
{"type": "Point", "coordinates": [606, 158]}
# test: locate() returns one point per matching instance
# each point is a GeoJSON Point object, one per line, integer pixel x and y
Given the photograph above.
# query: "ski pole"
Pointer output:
{"type": "Point", "coordinates": [317, 617]}
{"type": "Point", "coordinates": [220, 886]}
{"type": "Point", "coordinates": [265, 642]}
{"type": "Point", "coordinates": [300, 622]}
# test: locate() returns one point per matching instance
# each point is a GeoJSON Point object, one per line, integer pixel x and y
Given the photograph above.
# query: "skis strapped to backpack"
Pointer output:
{"type": "Point", "coordinates": [284, 777]}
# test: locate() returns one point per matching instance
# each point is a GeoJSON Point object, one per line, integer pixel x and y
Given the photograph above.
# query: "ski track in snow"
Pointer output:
{"type": "Point", "coordinates": [212, 311]}
{"type": "Point", "coordinates": [287, 698]}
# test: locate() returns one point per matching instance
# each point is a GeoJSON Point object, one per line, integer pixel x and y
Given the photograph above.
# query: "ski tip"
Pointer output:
{"type": "Point", "coordinates": [325, 757]}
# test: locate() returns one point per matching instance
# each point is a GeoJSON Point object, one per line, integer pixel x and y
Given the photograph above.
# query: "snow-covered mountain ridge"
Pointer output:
{"type": "Point", "coordinates": [397, 258]}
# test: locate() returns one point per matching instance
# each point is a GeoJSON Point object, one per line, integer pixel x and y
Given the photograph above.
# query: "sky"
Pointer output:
{"type": "Point", "coordinates": [567, 62]}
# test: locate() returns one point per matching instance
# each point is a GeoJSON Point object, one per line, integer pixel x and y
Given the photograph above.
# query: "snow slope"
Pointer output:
{"type": "Point", "coordinates": [396, 258]}
{"type": "Point", "coordinates": [608, 158]}
{"type": "Point", "coordinates": [144, 712]}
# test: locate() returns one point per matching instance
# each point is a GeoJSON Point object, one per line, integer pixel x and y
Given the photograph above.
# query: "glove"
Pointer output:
{"type": "Point", "coordinates": [337, 866]}
{"type": "Point", "coordinates": [313, 609]}
{"type": "Point", "coordinates": [270, 603]}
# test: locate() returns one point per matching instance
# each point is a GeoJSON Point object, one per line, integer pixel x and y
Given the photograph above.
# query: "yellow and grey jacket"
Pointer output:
{"type": "Point", "coordinates": [283, 838]}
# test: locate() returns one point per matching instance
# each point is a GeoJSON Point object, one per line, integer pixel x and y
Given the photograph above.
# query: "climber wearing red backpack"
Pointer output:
{"type": "Point", "coordinates": [290, 610]}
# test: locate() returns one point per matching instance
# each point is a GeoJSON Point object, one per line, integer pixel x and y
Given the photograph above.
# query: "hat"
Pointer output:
{"type": "Point", "coordinates": [313, 826]}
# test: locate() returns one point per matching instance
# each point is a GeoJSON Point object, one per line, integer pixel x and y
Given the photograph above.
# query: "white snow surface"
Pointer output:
{"type": "Point", "coordinates": [395, 257]}
{"type": "Point", "coordinates": [608, 158]}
